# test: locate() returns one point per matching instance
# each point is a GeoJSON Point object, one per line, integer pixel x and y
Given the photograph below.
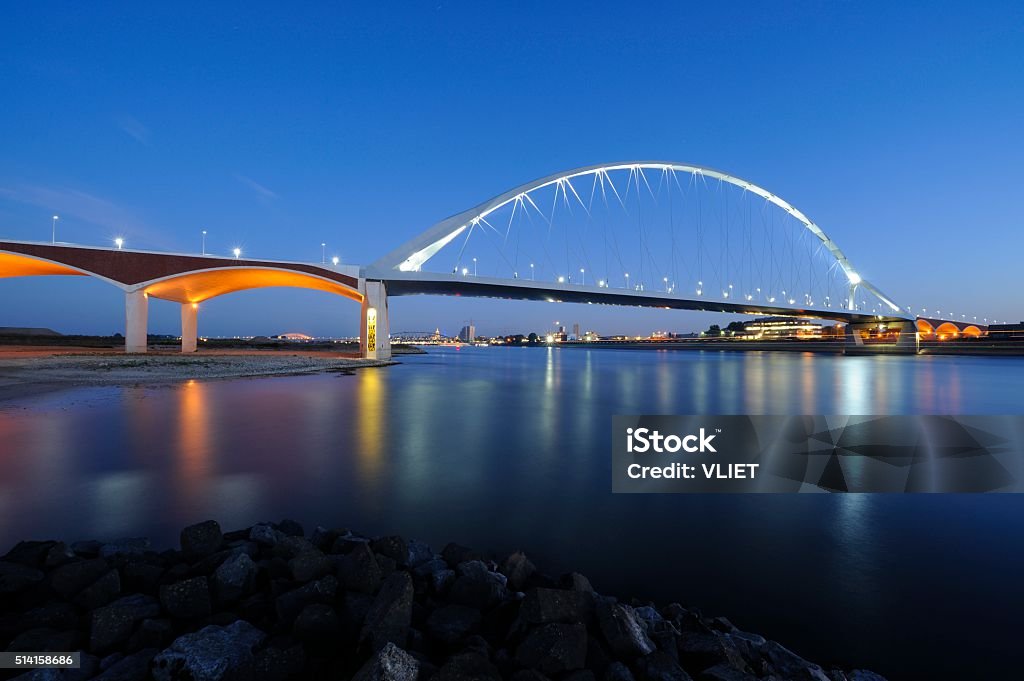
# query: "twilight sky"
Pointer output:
{"type": "Point", "coordinates": [897, 127]}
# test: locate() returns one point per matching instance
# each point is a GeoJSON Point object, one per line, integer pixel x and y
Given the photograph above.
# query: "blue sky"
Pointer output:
{"type": "Point", "coordinates": [895, 126]}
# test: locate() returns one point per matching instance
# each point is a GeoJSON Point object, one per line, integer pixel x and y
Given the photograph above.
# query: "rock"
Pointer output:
{"type": "Point", "coordinates": [278, 664]}
{"type": "Point", "coordinates": [394, 547]}
{"type": "Point", "coordinates": [29, 553]}
{"type": "Point", "coordinates": [266, 535]}
{"type": "Point", "coordinates": [442, 580]}
{"type": "Point", "coordinates": [290, 528]}
{"type": "Point", "coordinates": [725, 672]}
{"type": "Point", "coordinates": [154, 633]}
{"type": "Point", "coordinates": [541, 606]}
{"type": "Point", "coordinates": [58, 555]}
{"type": "Point", "coordinates": [99, 593]}
{"type": "Point", "coordinates": [659, 666]}
{"type": "Point", "coordinates": [52, 615]}
{"type": "Point", "coordinates": [16, 577]}
{"type": "Point", "coordinates": [390, 614]}
{"type": "Point", "coordinates": [554, 648]}
{"type": "Point", "coordinates": [113, 624]}
{"type": "Point", "coordinates": [577, 582]}
{"type": "Point", "coordinates": [289, 605]}
{"type": "Point", "coordinates": [359, 570]}
{"type": "Point", "coordinates": [477, 587]}
{"type": "Point", "coordinates": [134, 667]}
{"type": "Point", "coordinates": [617, 671]}
{"type": "Point", "coordinates": [211, 654]}
{"type": "Point", "coordinates": [864, 675]}
{"type": "Point", "coordinates": [200, 540]}
{"type": "Point", "coordinates": [454, 554]}
{"type": "Point", "coordinates": [310, 565]}
{"type": "Point", "coordinates": [451, 623]}
{"type": "Point", "coordinates": [430, 566]}
{"type": "Point", "coordinates": [700, 650]}
{"type": "Point", "coordinates": [518, 569]}
{"type": "Point", "coordinates": [317, 625]}
{"type": "Point", "coordinates": [88, 548]}
{"type": "Point", "coordinates": [141, 576]}
{"type": "Point", "coordinates": [623, 633]}
{"type": "Point", "coordinates": [390, 663]}
{"type": "Point", "coordinates": [68, 580]}
{"type": "Point", "coordinates": [234, 578]}
{"type": "Point", "coordinates": [121, 548]}
{"type": "Point", "coordinates": [471, 665]}
{"type": "Point", "coordinates": [187, 599]}
{"type": "Point", "coordinates": [789, 665]}
{"type": "Point", "coordinates": [419, 553]}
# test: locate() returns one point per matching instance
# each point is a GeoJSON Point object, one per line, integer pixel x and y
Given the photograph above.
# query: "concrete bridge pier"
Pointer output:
{"type": "Point", "coordinates": [374, 330]}
{"type": "Point", "coordinates": [136, 306]}
{"type": "Point", "coordinates": [189, 326]}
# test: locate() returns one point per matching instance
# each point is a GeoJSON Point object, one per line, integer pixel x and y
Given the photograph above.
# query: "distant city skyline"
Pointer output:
{"type": "Point", "coordinates": [322, 132]}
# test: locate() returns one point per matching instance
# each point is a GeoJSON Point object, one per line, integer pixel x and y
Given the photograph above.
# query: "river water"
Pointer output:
{"type": "Point", "coordinates": [508, 448]}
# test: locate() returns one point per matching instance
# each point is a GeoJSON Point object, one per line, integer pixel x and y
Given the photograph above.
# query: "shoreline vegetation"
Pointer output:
{"type": "Point", "coordinates": [270, 603]}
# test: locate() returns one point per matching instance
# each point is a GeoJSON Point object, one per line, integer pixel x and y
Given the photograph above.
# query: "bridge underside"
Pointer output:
{"type": "Point", "coordinates": [522, 289]}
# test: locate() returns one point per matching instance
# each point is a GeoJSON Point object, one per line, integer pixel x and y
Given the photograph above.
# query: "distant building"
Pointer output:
{"type": "Point", "coordinates": [576, 331]}
{"type": "Point", "coordinates": [468, 333]}
{"type": "Point", "coordinates": [1014, 332]}
{"type": "Point", "coordinates": [293, 337]}
{"type": "Point", "coordinates": [782, 327]}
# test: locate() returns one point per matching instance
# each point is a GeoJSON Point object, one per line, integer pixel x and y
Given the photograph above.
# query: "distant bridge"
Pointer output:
{"type": "Point", "coordinates": [639, 234]}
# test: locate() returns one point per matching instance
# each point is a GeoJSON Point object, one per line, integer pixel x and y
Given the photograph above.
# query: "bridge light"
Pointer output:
{"type": "Point", "coordinates": [853, 277]}
{"type": "Point", "coordinates": [237, 252]}
{"type": "Point", "coordinates": [119, 242]}
{"type": "Point", "coordinates": [465, 271]}
{"type": "Point", "coordinates": [791, 301]}
{"type": "Point", "coordinates": [335, 260]}
{"type": "Point", "coordinates": [772, 299]}
{"type": "Point", "coordinates": [561, 280]}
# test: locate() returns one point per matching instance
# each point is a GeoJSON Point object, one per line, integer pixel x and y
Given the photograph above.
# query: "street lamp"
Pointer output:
{"type": "Point", "coordinates": [627, 280]}
{"type": "Point", "coordinates": [204, 242]}
{"type": "Point", "coordinates": [474, 267]}
{"type": "Point", "coordinates": [323, 253]}
{"type": "Point", "coordinates": [532, 277]}
{"type": "Point", "coordinates": [119, 242]}
{"type": "Point", "coordinates": [53, 227]}
{"type": "Point", "coordinates": [665, 279]}
{"type": "Point", "coordinates": [335, 260]}
{"type": "Point", "coordinates": [583, 277]}
{"type": "Point", "coordinates": [237, 252]}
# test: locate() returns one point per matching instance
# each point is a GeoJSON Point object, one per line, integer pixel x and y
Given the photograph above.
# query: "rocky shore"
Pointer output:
{"type": "Point", "coordinates": [268, 602]}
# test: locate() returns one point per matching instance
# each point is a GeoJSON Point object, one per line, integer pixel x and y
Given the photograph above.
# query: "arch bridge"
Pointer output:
{"type": "Point", "coordinates": [641, 234]}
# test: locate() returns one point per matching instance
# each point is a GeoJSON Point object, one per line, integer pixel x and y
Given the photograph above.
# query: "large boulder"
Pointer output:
{"type": "Point", "coordinates": [451, 623]}
{"type": "Point", "coordinates": [622, 631]}
{"type": "Point", "coordinates": [100, 592]}
{"type": "Point", "coordinates": [114, 623]}
{"type": "Point", "coordinates": [201, 539]}
{"type": "Point", "coordinates": [211, 654]}
{"type": "Point", "coordinates": [289, 605]}
{"type": "Point", "coordinates": [554, 648]}
{"type": "Point", "coordinates": [16, 577]}
{"type": "Point", "coordinates": [390, 614]}
{"type": "Point", "coordinates": [234, 578]}
{"type": "Point", "coordinates": [67, 580]}
{"type": "Point", "coordinates": [310, 565]}
{"type": "Point", "coordinates": [390, 663]}
{"type": "Point", "coordinates": [187, 599]}
{"type": "Point", "coordinates": [541, 606]}
{"type": "Point", "coordinates": [317, 625]}
{"type": "Point", "coordinates": [393, 546]}
{"type": "Point", "coordinates": [518, 569]}
{"type": "Point", "coordinates": [359, 570]}
{"type": "Point", "coordinates": [477, 587]}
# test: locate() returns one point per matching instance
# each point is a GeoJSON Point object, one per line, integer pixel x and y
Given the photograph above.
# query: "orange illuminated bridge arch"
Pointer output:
{"type": "Point", "coordinates": [196, 287]}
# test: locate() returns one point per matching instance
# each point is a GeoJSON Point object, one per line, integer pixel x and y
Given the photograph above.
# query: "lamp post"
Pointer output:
{"type": "Point", "coordinates": [474, 267]}
{"type": "Point", "coordinates": [204, 242]}
{"type": "Point", "coordinates": [323, 252]}
{"type": "Point", "coordinates": [119, 242]}
{"type": "Point", "coordinates": [237, 252]}
{"type": "Point", "coordinates": [583, 277]}
{"type": "Point", "coordinates": [53, 229]}
{"type": "Point", "coordinates": [627, 280]}
{"type": "Point", "coordinates": [334, 260]}
{"type": "Point", "coordinates": [532, 277]}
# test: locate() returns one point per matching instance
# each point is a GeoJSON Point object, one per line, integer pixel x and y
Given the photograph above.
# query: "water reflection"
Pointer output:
{"type": "Point", "coordinates": [508, 448]}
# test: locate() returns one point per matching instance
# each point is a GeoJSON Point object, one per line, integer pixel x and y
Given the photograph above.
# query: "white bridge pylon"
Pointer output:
{"type": "Point", "coordinates": [649, 229]}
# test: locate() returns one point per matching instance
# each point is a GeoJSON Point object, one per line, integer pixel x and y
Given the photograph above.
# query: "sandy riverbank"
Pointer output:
{"type": "Point", "coordinates": [27, 370]}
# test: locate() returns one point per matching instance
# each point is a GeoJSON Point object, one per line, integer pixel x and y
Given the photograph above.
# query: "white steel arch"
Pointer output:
{"type": "Point", "coordinates": [411, 256]}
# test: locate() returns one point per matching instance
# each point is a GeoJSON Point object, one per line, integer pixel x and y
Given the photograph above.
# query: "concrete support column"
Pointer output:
{"type": "Point", "coordinates": [374, 330]}
{"type": "Point", "coordinates": [189, 325]}
{"type": "Point", "coordinates": [852, 336]}
{"type": "Point", "coordinates": [136, 307]}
